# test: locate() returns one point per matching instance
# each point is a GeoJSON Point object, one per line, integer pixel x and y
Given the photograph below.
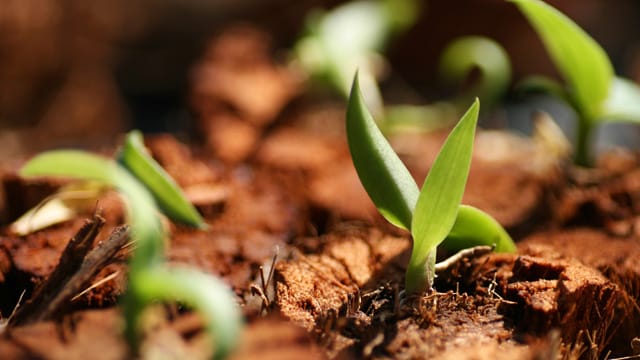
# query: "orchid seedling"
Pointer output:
{"type": "Point", "coordinates": [146, 188]}
{"type": "Point", "coordinates": [352, 36]}
{"type": "Point", "coordinates": [592, 88]}
{"type": "Point", "coordinates": [432, 214]}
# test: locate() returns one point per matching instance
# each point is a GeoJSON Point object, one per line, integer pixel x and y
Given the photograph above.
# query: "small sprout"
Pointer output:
{"type": "Point", "coordinates": [149, 277]}
{"type": "Point", "coordinates": [592, 89]}
{"type": "Point", "coordinates": [469, 53]}
{"type": "Point", "coordinates": [432, 214]}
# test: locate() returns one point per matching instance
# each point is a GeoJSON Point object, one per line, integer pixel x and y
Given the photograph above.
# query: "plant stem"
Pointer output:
{"type": "Point", "coordinates": [583, 156]}
{"type": "Point", "coordinates": [420, 273]}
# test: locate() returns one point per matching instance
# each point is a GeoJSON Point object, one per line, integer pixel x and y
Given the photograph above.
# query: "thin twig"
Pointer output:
{"type": "Point", "coordinates": [450, 262]}
{"type": "Point", "coordinates": [76, 268]}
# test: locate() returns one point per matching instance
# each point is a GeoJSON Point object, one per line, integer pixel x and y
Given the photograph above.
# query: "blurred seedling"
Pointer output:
{"type": "Point", "coordinates": [146, 190]}
{"type": "Point", "coordinates": [355, 35]}
{"type": "Point", "coordinates": [474, 66]}
{"type": "Point", "coordinates": [591, 87]}
{"type": "Point", "coordinates": [434, 213]}
{"type": "Point", "coordinates": [349, 37]}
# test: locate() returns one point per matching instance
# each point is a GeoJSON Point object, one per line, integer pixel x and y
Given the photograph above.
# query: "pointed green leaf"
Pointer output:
{"type": "Point", "coordinates": [165, 191]}
{"type": "Point", "coordinates": [581, 61]}
{"type": "Point", "coordinates": [439, 200]}
{"type": "Point", "coordinates": [384, 177]}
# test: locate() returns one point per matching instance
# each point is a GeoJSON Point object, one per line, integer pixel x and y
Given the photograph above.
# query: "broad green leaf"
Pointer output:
{"type": "Point", "coordinates": [441, 194]}
{"type": "Point", "coordinates": [474, 227]}
{"type": "Point", "coordinates": [623, 103]}
{"type": "Point", "coordinates": [165, 191]}
{"type": "Point", "coordinates": [476, 52]}
{"type": "Point", "coordinates": [384, 177]}
{"type": "Point", "coordinates": [581, 61]}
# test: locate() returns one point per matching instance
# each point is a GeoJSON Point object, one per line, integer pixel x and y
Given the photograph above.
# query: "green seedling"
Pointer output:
{"type": "Point", "coordinates": [432, 214]}
{"type": "Point", "coordinates": [145, 188]}
{"type": "Point", "coordinates": [351, 36]}
{"type": "Point", "coordinates": [476, 53]}
{"type": "Point", "coordinates": [592, 88]}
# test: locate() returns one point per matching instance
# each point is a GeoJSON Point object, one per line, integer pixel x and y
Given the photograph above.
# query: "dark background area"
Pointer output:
{"type": "Point", "coordinates": [85, 71]}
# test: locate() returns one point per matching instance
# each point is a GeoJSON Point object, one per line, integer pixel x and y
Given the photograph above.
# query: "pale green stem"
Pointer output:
{"type": "Point", "coordinates": [420, 273]}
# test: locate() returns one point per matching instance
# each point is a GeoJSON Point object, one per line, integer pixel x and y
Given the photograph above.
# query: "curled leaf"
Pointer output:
{"type": "Point", "coordinates": [476, 52]}
{"type": "Point", "coordinates": [206, 294]}
{"type": "Point", "coordinates": [72, 164]}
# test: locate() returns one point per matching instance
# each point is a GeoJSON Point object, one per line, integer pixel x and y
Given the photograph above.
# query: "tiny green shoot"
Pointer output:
{"type": "Point", "coordinates": [468, 53]}
{"type": "Point", "coordinates": [592, 88]}
{"type": "Point", "coordinates": [433, 214]}
{"type": "Point", "coordinates": [145, 187]}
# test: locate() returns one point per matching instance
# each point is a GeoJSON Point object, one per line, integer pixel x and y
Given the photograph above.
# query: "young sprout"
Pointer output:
{"type": "Point", "coordinates": [476, 53]}
{"type": "Point", "coordinates": [352, 36]}
{"type": "Point", "coordinates": [592, 88]}
{"type": "Point", "coordinates": [432, 214]}
{"type": "Point", "coordinates": [144, 187]}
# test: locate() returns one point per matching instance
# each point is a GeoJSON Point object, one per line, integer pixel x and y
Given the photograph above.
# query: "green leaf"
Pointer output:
{"type": "Point", "coordinates": [384, 177]}
{"type": "Point", "coordinates": [165, 191]}
{"type": "Point", "coordinates": [72, 164]}
{"type": "Point", "coordinates": [581, 61]}
{"type": "Point", "coordinates": [142, 211]}
{"type": "Point", "coordinates": [208, 295]}
{"type": "Point", "coordinates": [623, 103]}
{"type": "Point", "coordinates": [441, 194]}
{"type": "Point", "coordinates": [475, 227]}
{"type": "Point", "coordinates": [476, 52]}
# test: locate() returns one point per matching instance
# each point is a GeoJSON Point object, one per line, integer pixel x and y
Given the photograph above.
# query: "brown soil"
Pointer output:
{"type": "Point", "coordinates": [271, 174]}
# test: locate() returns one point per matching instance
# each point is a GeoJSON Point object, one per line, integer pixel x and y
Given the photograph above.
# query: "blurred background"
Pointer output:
{"type": "Point", "coordinates": [78, 73]}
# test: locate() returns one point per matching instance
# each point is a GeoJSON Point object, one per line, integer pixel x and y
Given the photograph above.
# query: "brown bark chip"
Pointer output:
{"type": "Point", "coordinates": [589, 310]}
{"type": "Point", "coordinates": [309, 287]}
{"type": "Point", "coordinates": [616, 257]}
